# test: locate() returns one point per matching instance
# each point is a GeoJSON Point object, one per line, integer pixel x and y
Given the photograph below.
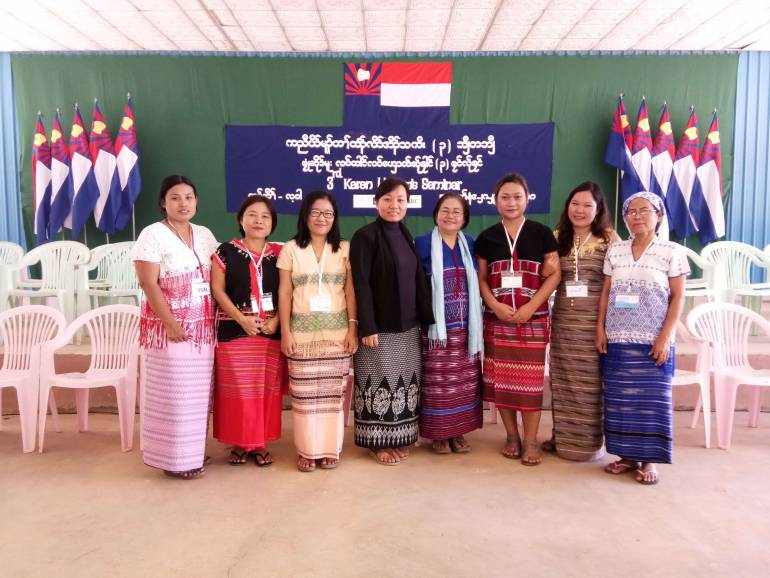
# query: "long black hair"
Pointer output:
{"type": "Point", "coordinates": [303, 231]}
{"type": "Point", "coordinates": [600, 226]}
{"type": "Point", "coordinates": [169, 183]}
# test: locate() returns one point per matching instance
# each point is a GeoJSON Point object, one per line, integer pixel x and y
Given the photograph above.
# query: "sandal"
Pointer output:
{"type": "Point", "coordinates": [381, 457]}
{"type": "Point", "coordinates": [548, 446]}
{"type": "Point", "coordinates": [305, 464]}
{"type": "Point", "coordinates": [262, 460]}
{"type": "Point", "coordinates": [621, 466]}
{"type": "Point", "coordinates": [402, 452]}
{"type": "Point", "coordinates": [441, 447]}
{"type": "Point", "coordinates": [238, 456]}
{"type": "Point", "coordinates": [186, 475]}
{"type": "Point", "coordinates": [510, 450]}
{"type": "Point", "coordinates": [642, 475]}
{"type": "Point", "coordinates": [531, 455]}
{"type": "Point", "coordinates": [328, 463]}
{"type": "Point", "coordinates": [459, 445]}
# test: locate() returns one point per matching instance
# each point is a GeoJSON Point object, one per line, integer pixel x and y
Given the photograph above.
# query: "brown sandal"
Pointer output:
{"type": "Point", "coordinates": [186, 475]}
{"type": "Point", "coordinates": [512, 451]}
{"type": "Point", "coordinates": [531, 450]}
{"type": "Point", "coordinates": [305, 464]}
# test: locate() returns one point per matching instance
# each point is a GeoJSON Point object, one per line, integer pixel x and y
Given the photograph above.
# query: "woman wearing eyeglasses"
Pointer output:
{"type": "Point", "coordinates": [317, 308]}
{"type": "Point", "coordinates": [641, 300]}
{"type": "Point", "coordinates": [451, 379]}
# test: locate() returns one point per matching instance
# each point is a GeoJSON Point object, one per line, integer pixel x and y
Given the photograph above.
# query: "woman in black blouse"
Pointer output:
{"type": "Point", "coordinates": [393, 301]}
{"type": "Point", "coordinates": [249, 367]}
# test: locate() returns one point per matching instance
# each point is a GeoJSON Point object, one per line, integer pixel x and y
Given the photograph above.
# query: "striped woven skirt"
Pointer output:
{"type": "Point", "coordinates": [176, 405]}
{"type": "Point", "coordinates": [450, 400]}
{"type": "Point", "coordinates": [638, 419]}
{"type": "Point", "coordinates": [387, 391]}
{"type": "Point", "coordinates": [249, 372]}
{"type": "Point", "coordinates": [318, 376]}
{"type": "Point", "coordinates": [514, 363]}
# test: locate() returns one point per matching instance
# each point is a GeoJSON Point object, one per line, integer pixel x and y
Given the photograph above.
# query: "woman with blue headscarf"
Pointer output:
{"type": "Point", "coordinates": [641, 300]}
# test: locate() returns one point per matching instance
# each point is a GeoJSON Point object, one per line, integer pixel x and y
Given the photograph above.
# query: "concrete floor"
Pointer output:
{"type": "Point", "coordinates": [83, 508]}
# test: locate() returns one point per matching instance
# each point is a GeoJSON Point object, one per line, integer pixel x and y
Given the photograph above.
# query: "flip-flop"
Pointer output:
{"type": "Point", "coordinates": [457, 447]}
{"type": "Point", "coordinates": [516, 453]}
{"type": "Point", "coordinates": [328, 466]}
{"type": "Point", "coordinates": [237, 457]}
{"type": "Point", "coordinates": [640, 478]}
{"type": "Point", "coordinates": [619, 467]}
{"type": "Point", "coordinates": [402, 457]}
{"type": "Point", "coordinates": [373, 453]}
{"type": "Point", "coordinates": [186, 475]}
{"type": "Point", "coordinates": [310, 467]}
{"type": "Point", "coordinates": [441, 447]}
{"type": "Point", "coordinates": [262, 460]}
{"type": "Point", "coordinates": [527, 453]}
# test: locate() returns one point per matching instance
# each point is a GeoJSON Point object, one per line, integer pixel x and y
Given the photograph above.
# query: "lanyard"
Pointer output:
{"type": "Point", "coordinates": [512, 244]}
{"type": "Point", "coordinates": [577, 251]}
{"type": "Point", "coordinates": [458, 275]}
{"type": "Point", "coordinates": [191, 246]}
{"type": "Point", "coordinates": [320, 265]}
{"type": "Point", "coordinates": [256, 277]}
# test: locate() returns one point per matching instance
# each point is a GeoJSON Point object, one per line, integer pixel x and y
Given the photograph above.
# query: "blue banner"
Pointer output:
{"type": "Point", "coordinates": [285, 163]}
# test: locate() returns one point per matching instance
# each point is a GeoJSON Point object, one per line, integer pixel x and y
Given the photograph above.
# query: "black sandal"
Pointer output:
{"type": "Point", "coordinates": [186, 475]}
{"type": "Point", "coordinates": [262, 460]}
{"type": "Point", "coordinates": [238, 456]}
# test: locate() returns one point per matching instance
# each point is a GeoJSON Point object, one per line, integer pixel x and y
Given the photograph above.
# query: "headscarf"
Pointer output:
{"type": "Point", "coordinates": [654, 200]}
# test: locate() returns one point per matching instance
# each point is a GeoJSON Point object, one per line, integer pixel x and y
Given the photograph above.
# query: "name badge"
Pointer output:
{"type": "Point", "coordinates": [267, 302]}
{"type": "Point", "coordinates": [321, 303]}
{"type": "Point", "coordinates": [512, 280]}
{"type": "Point", "coordinates": [200, 289]}
{"type": "Point", "coordinates": [576, 289]}
{"type": "Point", "coordinates": [626, 301]}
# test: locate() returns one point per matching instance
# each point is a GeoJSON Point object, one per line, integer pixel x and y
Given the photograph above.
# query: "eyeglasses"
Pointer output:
{"type": "Point", "coordinates": [448, 213]}
{"type": "Point", "coordinates": [315, 213]}
{"type": "Point", "coordinates": [643, 213]}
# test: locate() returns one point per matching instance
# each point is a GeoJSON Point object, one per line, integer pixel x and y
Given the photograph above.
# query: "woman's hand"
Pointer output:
{"type": "Point", "coordinates": [351, 339]}
{"type": "Point", "coordinates": [175, 332]}
{"type": "Point", "coordinates": [660, 349]}
{"type": "Point", "coordinates": [288, 345]}
{"type": "Point", "coordinates": [601, 339]}
{"type": "Point", "coordinates": [270, 325]}
{"type": "Point", "coordinates": [370, 340]}
{"type": "Point", "coordinates": [251, 324]}
{"type": "Point", "coordinates": [503, 312]}
{"type": "Point", "coordinates": [523, 313]}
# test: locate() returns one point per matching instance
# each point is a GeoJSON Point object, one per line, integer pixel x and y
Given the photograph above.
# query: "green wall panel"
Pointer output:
{"type": "Point", "coordinates": [182, 103]}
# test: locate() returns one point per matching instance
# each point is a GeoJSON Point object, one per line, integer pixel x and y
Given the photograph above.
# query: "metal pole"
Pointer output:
{"type": "Point", "coordinates": [133, 223]}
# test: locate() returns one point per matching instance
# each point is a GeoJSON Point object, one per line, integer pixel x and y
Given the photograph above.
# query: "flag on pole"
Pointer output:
{"type": "Point", "coordinates": [41, 181]}
{"type": "Point", "coordinates": [706, 206]}
{"type": "Point", "coordinates": [640, 155]}
{"type": "Point", "coordinates": [61, 184]}
{"type": "Point", "coordinates": [127, 151]}
{"type": "Point", "coordinates": [84, 190]}
{"type": "Point", "coordinates": [618, 153]}
{"type": "Point", "coordinates": [684, 179]}
{"type": "Point", "coordinates": [105, 171]}
{"type": "Point", "coordinates": [662, 162]}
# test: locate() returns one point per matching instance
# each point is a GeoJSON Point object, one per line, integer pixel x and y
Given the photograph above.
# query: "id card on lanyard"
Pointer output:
{"type": "Point", "coordinates": [512, 279]}
{"type": "Point", "coordinates": [628, 298]}
{"type": "Point", "coordinates": [320, 302]}
{"type": "Point", "coordinates": [261, 302]}
{"type": "Point", "coordinates": [576, 287]}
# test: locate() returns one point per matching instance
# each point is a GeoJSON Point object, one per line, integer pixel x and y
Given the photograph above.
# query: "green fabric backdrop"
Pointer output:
{"type": "Point", "coordinates": [181, 104]}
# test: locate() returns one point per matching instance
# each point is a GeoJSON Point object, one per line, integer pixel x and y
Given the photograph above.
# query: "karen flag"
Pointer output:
{"type": "Point", "coordinates": [707, 208]}
{"type": "Point", "coordinates": [618, 153]}
{"type": "Point", "coordinates": [41, 181]}
{"type": "Point", "coordinates": [663, 152]}
{"type": "Point", "coordinates": [106, 173]}
{"type": "Point", "coordinates": [61, 184]}
{"type": "Point", "coordinates": [85, 193]}
{"type": "Point", "coordinates": [639, 179]}
{"type": "Point", "coordinates": [127, 151]}
{"type": "Point", "coordinates": [397, 94]}
{"type": "Point", "coordinates": [680, 188]}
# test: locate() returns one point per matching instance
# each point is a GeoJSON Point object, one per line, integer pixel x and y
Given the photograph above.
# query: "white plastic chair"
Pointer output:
{"type": "Point", "coordinates": [10, 255]}
{"type": "Point", "coordinates": [114, 338]}
{"type": "Point", "coordinates": [727, 328]}
{"type": "Point", "coordinates": [115, 276]}
{"type": "Point", "coordinates": [23, 330]}
{"type": "Point", "coordinates": [702, 286]}
{"type": "Point", "coordinates": [58, 260]}
{"type": "Point", "coordinates": [700, 376]}
{"type": "Point", "coordinates": [733, 261]}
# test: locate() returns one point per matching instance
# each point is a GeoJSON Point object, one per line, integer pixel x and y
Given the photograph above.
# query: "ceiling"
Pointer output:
{"type": "Point", "coordinates": [382, 25]}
